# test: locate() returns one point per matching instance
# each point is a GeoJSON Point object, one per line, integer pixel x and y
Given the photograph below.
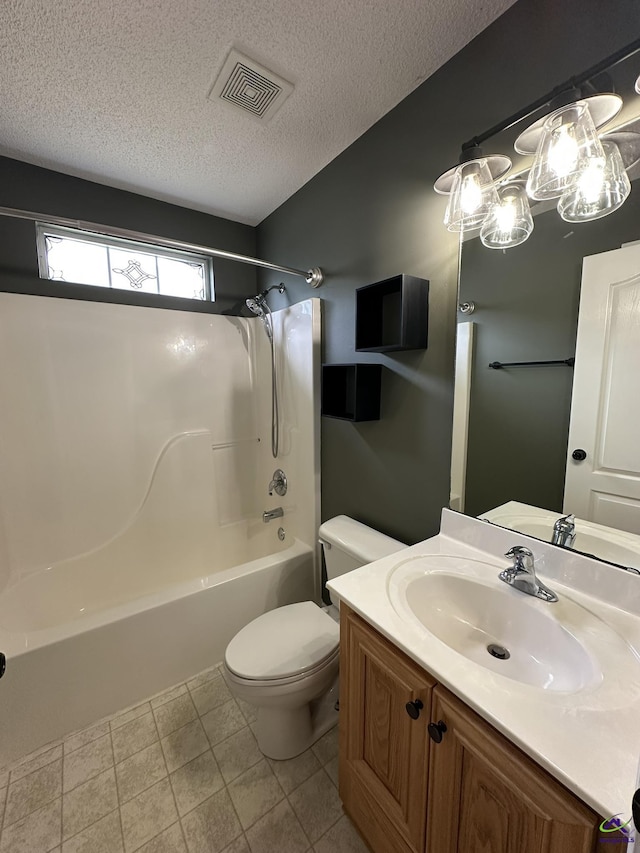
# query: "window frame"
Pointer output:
{"type": "Point", "coordinates": [44, 229]}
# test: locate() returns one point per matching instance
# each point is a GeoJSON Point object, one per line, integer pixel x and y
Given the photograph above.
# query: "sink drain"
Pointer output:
{"type": "Point", "coordinates": [498, 651]}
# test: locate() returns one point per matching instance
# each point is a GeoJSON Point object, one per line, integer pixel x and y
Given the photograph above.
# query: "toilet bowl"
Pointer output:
{"type": "Point", "coordinates": [285, 662]}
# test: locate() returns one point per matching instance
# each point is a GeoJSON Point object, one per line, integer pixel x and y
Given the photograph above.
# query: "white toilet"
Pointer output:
{"type": "Point", "coordinates": [285, 662]}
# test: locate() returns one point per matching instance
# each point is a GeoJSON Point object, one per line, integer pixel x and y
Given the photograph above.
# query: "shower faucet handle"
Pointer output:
{"type": "Point", "coordinates": [279, 483]}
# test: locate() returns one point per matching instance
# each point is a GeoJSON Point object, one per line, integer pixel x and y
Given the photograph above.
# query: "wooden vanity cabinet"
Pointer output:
{"type": "Point", "coordinates": [472, 792]}
{"type": "Point", "coordinates": [486, 795]}
{"type": "Point", "coordinates": [384, 752]}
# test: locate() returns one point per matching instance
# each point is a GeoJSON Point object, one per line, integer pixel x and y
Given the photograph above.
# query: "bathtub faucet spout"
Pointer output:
{"type": "Point", "coordinates": [270, 514]}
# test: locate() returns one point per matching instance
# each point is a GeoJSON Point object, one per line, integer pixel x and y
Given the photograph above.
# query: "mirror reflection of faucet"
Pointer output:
{"type": "Point", "coordinates": [278, 483]}
{"type": "Point", "coordinates": [564, 531]}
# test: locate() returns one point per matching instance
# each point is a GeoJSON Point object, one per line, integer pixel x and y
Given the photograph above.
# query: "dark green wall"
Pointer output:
{"type": "Point", "coordinates": [40, 190]}
{"type": "Point", "coordinates": [371, 213]}
{"type": "Point", "coordinates": [527, 310]}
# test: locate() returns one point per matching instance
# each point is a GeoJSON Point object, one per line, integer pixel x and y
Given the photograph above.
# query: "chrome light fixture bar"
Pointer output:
{"type": "Point", "coordinates": [571, 163]}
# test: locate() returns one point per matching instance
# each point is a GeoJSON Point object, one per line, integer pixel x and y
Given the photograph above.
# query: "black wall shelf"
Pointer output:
{"type": "Point", "coordinates": [351, 392]}
{"type": "Point", "coordinates": [392, 315]}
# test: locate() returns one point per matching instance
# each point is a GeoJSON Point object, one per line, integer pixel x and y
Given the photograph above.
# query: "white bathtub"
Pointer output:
{"type": "Point", "coordinates": [67, 668]}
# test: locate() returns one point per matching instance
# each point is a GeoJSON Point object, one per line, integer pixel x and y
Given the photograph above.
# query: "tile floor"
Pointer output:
{"type": "Point", "coordinates": [180, 772]}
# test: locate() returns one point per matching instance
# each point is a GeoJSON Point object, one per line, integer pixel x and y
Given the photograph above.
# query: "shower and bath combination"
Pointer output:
{"type": "Point", "coordinates": [259, 306]}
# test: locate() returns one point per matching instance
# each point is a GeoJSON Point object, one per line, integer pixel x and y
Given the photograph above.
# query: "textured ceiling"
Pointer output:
{"type": "Point", "coordinates": [116, 90]}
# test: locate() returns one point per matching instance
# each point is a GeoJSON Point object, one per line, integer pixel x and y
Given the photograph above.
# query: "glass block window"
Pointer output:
{"type": "Point", "coordinates": [81, 257]}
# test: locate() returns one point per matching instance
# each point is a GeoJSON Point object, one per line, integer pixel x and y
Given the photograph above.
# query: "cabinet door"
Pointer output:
{"type": "Point", "coordinates": [383, 751]}
{"type": "Point", "coordinates": [485, 796]}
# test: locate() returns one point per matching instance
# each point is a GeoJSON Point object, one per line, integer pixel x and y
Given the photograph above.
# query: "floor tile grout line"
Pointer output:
{"type": "Point", "coordinates": [89, 778]}
{"type": "Point", "coordinates": [157, 835]}
{"type": "Point", "coordinates": [166, 767]}
{"type": "Point", "coordinates": [4, 809]}
{"type": "Point", "coordinates": [284, 796]}
{"type": "Point", "coordinates": [6, 825]}
{"type": "Point", "coordinates": [153, 711]}
{"type": "Point", "coordinates": [126, 711]}
{"type": "Point", "coordinates": [137, 751]}
{"type": "Point", "coordinates": [11, 768]}
{"type": "Point", "coordinates": [68, 737]}
{"type": "Point", "coordinates": [118, 798]}
{"type": "Point", "coordinates": [80, 831]}
{"type": "Point", "coordinates": [295, 814]}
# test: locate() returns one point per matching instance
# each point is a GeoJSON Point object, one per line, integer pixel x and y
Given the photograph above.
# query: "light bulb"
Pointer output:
{"type": "Point", "coordinates": [470, 193]}
{"type": "Point", "coordinates": [505, 214]}
{"type": "Point", "coordinates": [567, 147]}
{"type": "Point", "coordinates": [591, 182]}
{"type": "Point", "coordinates": [472, 196]}
{"type": "Point", "coordinates": [563, 152]}
{"type": "Point", "coordinates": [602, 187]}
{"type": "Point", "coordinates": [510, 222]}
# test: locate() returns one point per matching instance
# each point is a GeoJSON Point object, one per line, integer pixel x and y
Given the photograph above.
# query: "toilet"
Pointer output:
{"type": "Point", "coordinates": [285, 662]}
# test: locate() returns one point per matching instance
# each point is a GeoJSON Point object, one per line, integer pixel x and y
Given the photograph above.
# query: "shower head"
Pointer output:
{"type": "Point", "coordinates": [255, 304]}
{"type": "Point", "coordinates": [258, 305]}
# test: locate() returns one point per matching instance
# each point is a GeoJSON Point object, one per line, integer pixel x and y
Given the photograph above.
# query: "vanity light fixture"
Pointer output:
{"type": "Point", "coordinates": [571, 163]}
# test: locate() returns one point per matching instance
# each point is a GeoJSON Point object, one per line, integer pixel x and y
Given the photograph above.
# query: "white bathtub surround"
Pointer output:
{"type": "Point", "coordinates": [134, 464]}
{"type": "Point", "coordinates": [589, 738]}
{"type": "Point", "coordinates": [178, 772]}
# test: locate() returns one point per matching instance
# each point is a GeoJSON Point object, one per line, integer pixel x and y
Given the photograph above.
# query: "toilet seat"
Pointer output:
{"type": "Point", "coordinates": [284, 645]}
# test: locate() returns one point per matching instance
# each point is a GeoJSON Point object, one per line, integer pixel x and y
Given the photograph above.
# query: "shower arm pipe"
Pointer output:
{"type": "Point", "coordinates": [313, 276]}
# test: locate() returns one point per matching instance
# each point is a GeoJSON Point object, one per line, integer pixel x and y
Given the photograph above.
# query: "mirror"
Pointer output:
{"type": "Point", "coordinates": [511, 440]}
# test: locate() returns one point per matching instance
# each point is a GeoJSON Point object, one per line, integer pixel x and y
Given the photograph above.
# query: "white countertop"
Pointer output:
{"type": "Point", "coordinates": [589, 740]}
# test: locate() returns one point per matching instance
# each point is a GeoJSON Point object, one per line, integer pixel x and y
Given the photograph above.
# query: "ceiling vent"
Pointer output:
{"type": "Point", "coordinates": [251, 87]}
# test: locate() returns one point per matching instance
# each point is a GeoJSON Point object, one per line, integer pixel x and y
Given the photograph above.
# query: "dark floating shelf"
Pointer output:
{"type": "Point", "coordinates": [351, 392]}
{"type": "Point", "coordinates": [392, 315]}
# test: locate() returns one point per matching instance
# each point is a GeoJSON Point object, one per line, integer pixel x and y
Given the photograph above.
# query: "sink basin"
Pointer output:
{"type": "Point", "coordinates": [464, 604]}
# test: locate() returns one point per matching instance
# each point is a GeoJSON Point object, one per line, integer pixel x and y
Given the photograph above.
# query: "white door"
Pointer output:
{"type": "Point", "coordinates": [605, 410]}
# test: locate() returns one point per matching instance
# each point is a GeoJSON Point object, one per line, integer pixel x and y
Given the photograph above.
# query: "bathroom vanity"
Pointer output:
{"type": "Point", "coordinates": [443, 751]}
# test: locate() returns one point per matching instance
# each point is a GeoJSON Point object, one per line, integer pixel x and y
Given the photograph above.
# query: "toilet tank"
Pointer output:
{"type": "Point", "coordinates": [348, 544]}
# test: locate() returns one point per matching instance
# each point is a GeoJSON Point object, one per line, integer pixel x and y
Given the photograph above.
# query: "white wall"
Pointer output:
{"type": "Point", "coordinates": [90, 393]}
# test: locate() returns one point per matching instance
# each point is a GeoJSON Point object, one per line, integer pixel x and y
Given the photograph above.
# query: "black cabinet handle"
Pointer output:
{"type": "Point", "coordinates": [3, 663]}
{"type": "Point", "coordinates": [414, 708]}
{"type": "Point", "coordinates": [436, 730]}
{"type": "Point", "coordinates": [579, 455]}
{"type": "Point", "coordinates": [636, 809]}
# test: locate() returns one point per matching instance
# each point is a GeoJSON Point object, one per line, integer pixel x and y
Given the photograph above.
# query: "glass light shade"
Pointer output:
{"type": "Point", "coordinates": [602, 188]}
{"type": "Point", "coordinates": [568, 145]}
{"type": "Point", "coordinates": [510, 222]}
{"type": "Point", "coordinates": [473, 194]}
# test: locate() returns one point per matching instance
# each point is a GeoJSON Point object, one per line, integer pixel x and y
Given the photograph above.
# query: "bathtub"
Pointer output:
{"type": "Point", "coordinates": [67, 668]}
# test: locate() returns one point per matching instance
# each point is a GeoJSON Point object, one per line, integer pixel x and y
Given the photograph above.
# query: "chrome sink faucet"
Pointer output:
{"type": "Point", "coordinates": [522, 574]}
{"type": "Point", "coordinates": [564, 531]}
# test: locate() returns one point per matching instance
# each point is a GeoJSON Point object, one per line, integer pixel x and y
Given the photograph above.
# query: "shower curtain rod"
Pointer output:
{"type": "Point", "coordinates": [313, 276]}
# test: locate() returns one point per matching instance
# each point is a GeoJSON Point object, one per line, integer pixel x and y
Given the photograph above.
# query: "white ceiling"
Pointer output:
{"type": "Point", "coordinates": [116, 90]}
